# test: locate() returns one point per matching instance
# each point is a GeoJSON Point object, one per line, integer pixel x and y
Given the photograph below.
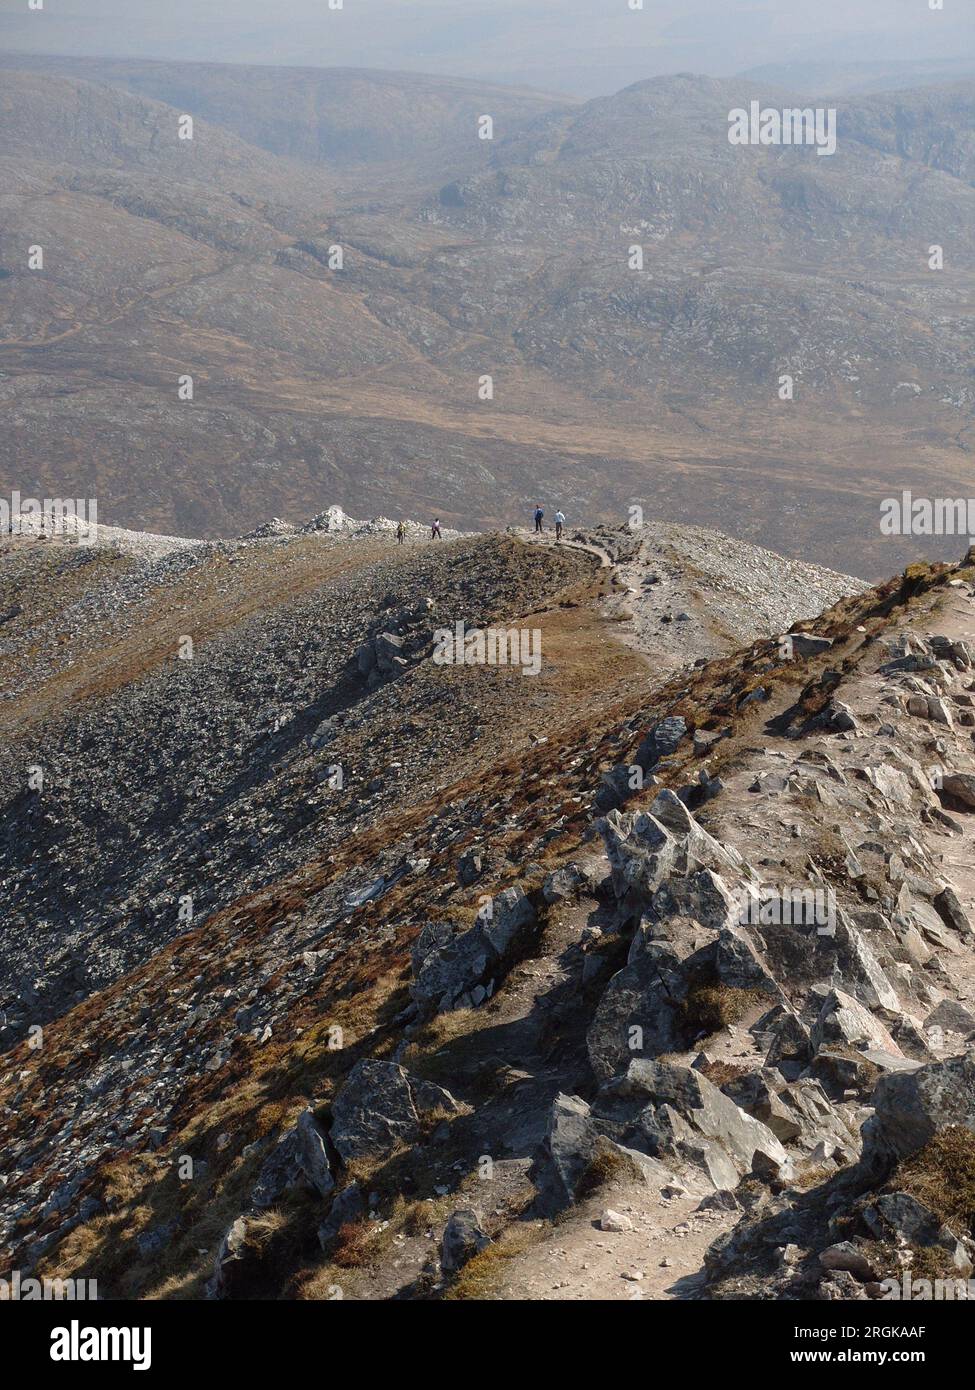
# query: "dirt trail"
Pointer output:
{"type": "Point", "coordinates": [603, 556]}
{"type": "Point", "coordinates": [661, 1257]}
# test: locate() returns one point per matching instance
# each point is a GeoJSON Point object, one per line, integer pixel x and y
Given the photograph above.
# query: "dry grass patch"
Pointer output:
{"type": "Point", "coordinates": [483, 1276]}
{"type": "Point", "coordinates": [942, 1175]}
{"type": "Point", "coordinates": [416, 1216]}
{"type": "Point", "coordinates": [813, 1175]}
{"type": "Point", "coordinates": [323, 1285]}
{"type": "Point", "coordinates": [719, 1072]}
{"type": "Point", "coordinates": [713, 1007]}
{"type": "Point", "coordinates": [929, 1262]}
{"type": "Point", "coordinates": [361, 1244]}
{"type": "Point", "coordinates": [609, 1168]}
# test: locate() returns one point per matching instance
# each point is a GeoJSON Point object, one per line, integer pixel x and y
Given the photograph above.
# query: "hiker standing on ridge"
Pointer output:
{"type": "Point", "coordinates": [435, 530]}
{"type": "Point", "coordinates": [538, 519]}
{"type": "Point", "coordinates": [400, 533]}
{"type": "Point", "coordinates": [559, 523]}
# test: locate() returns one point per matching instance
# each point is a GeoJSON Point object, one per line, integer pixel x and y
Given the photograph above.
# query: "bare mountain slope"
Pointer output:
{"type": "Point", "coordinates": [409, 129]}
{"type": "Point", "coordinates": [322, 988]}
{"type": "Point", "coordinates": [274, 682]}
{"type": "Point", "coordinates": [63, 120]}
{"type": "Point", "coordinates": [339, 344]}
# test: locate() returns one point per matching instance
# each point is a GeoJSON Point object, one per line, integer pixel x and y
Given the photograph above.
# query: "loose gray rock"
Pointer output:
{"type": "Point", "coordinates": [462, 1240]}
{"type": "Point", "coordinates": [349, 1205]}
{"type": "Point", "coordinates": [910, 1107]}
{"type": "Point", "coordinates": [808, 644]}
{"type": "Point", "coordinates": [381, 1106]}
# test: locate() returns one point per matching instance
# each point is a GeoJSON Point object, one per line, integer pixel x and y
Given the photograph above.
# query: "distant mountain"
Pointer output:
{"type": "Point", "coordinates": [417, 128]}
{"type": "Point", "coordinates": [509, 259]}
{"type": "Point", "coordinates": [860, 78]}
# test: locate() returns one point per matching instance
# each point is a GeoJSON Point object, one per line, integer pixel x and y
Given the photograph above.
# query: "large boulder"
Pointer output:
{"type": "Point", "coordinates": [808, 644]}
{"type": "Point", "coordinates": [616, 786]}
{"type": "Point", "coordinates": [790, 1046]}
{"type": "Point", "coordinates": [562, 884]}
{"type": "Point", "coordinates": [665, 863]}
{"type": "Point", "coordinates": [448, 964]}
{"type": "Point", "coordinates": [380, 1107]}
{"type": "Point", "coordinates": [388, 647]}
{"type": "Point", "coordinates": [661, 741]}
{"type": "Point", "coordinates": [900, 1217]}
{"type": "Point", "coordinates": [697, 849]}
{"type": "Point", "coordinates": [639, 1014]}
{"type": "Point", "coordinates": [641, 853]}
{"type": "Point", "coordinates": [671, 812]}
{"type": "Point", "coordinates": [951, 1017]}
{"type": "Point", "coordinates": [312, 1154]}
{"type": "Point", "coordinates": [574, 1142]}
{"type": "Point", "coordinates": [508, 913]}
{"type": "Point", "coordinates": [862, 969]}
{"type": "Point", "coordinates": [842, 1020]}
{"type": "Point", "coordinates": [737, 965]}
{"type": "Point", "coordinates": [238, 1270]}
{"type": "Point", "coordinates": [348, 1206]}
{"type": "Point", "coordinates": [703, 895]}
{"type": "Point", "coordinates": [300, 1159]}
{"type": "Point", "coordinates": [455, 969]}
{"type": "Point", "coordinates": [951, 912]}
{"type": "Point", "coordinates": [831, 1128]}
{"type": "Point", "coordinates": [571, 1143]}
{"type": "Point", "coordinates": [798, 1113]}
{"type": "Point", "coordinates": [911, 1106]}
{"type": "Point", "coordinates": [960, 786]}
{"type": "Point", "coordinates": [668, 1109]}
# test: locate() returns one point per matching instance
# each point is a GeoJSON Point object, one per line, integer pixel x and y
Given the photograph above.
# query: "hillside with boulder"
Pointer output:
{"type": "Point", "coordinates": [364, 976]}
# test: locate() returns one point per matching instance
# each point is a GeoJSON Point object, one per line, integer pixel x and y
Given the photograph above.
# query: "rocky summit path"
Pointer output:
{"type": "Point", "coordinates": [649, 975]}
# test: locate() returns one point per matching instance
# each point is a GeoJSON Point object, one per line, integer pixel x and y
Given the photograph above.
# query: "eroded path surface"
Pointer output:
{"type": "Point", "coordinates": [684, 594]}
{"type": "Point", "coordinates": [659, 1258]}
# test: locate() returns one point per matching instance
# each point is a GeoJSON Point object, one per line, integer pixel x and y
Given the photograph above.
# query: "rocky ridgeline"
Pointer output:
{"type": "Point", "coordinates": [773, 1065]}
{"type": "Point", "coordinates": [850, 1051]}
{"type": "Point", "coordinates": [334, 522]}
{"type": "Point", "coordinates": [207, 777]}
{"type": "Point", "coordinates": [713, 958]}
{"type": "Point", "coordinates": [69, 528]}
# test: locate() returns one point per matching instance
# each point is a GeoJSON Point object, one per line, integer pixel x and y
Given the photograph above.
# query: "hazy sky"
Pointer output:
{"type": "Point", "coordinates": [587, 46]}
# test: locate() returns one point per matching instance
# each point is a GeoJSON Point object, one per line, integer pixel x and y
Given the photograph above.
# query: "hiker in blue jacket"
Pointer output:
{"type": "Point", "coordinates": [538, 520]}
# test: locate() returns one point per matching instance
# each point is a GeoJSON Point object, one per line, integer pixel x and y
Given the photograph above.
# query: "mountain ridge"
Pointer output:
{"type": "Point", "coordinates": [322, 1024]}
{"type": "Point", "coordinates": [612, 386]}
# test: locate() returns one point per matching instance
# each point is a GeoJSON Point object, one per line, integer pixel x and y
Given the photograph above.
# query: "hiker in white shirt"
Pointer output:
{"type": "Point", "coordinates": [559, 523]}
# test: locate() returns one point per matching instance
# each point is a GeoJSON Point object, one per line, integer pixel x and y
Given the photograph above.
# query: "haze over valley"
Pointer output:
{"type": "Point", "coordinates": [512, 258]}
